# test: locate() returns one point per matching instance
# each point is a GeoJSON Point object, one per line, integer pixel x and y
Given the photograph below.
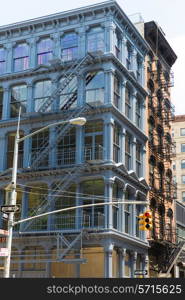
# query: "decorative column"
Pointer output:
{"type": "Point", "coordinates": [109, 86]}
{"type": "Point", "coordinates": [143, 162]}
{"type": "Point", "coordinates": [55, 104]}
{"type": "Point", "coordinates": [123, 145]}
{"type": "Point", "coordinates": [123, 87]}
{"type": "Point", "coordinates": [124, 50]}
{"type": "Point", "coordinates": [134, 62]}
{"type": "Point", "coordinates": [109, 35]}
{"type": "Point", "coordinates": [9, 58]}
{"type": "Point", "coordinates": [6, 103]}
{"type": "Point", "coordinates": [81, 40]}
{"type": "Point", "coordinates": [133, 266]}
{"type": "Point", "coordinates": [134, 154]}
{"type": "Point", "coordinates": [33, 53]}
{"type": "Point", "coordinates": [80, 157]}
{"type": "Point", "coordinates": [134, 100]}
{"type": "Point", "coordinates": [108, 251]}
{"type": "Point", "coordinates": [108, 198]}
{"type": "Point", "coordinates": [30, 102]}
{"type": "Point", "coordinates": [133, 208]}
{"type": "Point", "coordinates": [145, 264]}
{"type": "Point", "coordinates": [108, 138]}
{"type": "Point", "coordinates": [122, 255]}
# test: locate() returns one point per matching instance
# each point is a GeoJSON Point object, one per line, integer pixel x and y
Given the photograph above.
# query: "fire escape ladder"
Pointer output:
{"type": "Point", "coordinates": [61, 186]}
{"type": "Point", "coordinates": [76, 242]}
{"type": "Point", "coordinates": [69, 75]}
{"type": "Point", "coordinates": [173, 258]}
{"type": "Point", "coordinates": [60, 132]}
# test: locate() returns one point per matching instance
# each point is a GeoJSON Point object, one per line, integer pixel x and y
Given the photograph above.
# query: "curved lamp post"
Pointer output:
{"type": "Point", "coordinates": [13, 195]}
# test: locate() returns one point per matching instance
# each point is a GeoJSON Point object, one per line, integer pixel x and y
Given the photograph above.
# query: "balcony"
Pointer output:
{"type": "Point", "coordinates": [94, 154]}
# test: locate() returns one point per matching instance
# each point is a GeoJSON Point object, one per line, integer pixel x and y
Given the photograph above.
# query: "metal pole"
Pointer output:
{"type": "Point", "coordinates": [13, 198]}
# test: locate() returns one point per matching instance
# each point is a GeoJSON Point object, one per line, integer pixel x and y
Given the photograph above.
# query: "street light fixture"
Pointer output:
{"type": "Point", "coordinates": [13, 194]}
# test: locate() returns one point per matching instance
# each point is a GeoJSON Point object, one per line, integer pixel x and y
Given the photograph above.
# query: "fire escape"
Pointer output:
{"type": "Point", "coordinates": [161, 149]}
{"type": "Point", "coordinates": [71, 241]}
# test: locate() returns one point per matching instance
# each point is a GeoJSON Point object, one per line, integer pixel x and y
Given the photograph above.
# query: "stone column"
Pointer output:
{"type": "Point", "coordinates": [134, 154]}
{"type": "Point", "coordinates": [9, 65]}
{"type": "Point", "coordinates": [133, 266]}
{"type": "Point", "coordinates": [53, 151]}
{"type": "Point", "coordinates": [27, 151]}
{"type": "Point", "coordinates": [30, 102]}
{"type": "Point", "coordinates": [122, 254]}
{"type": "Point", "coordinates": [81, 41]}
{"type": "Point", "coordinates": [109, 86]}
{"type": "Point", "coordinates": [108, 270]}
{"type": "Point", "coordinates": [6, 103]}
{"type": "Point", "coordinates": [80, 157]}
{"type": "Point", "coordinates": [108, 208]}
{"type": "Point", "coordinates": [145, 265]}
{"type": "Point", "coordinates": [124, 50]}
{"type": "Point", "coordinates": [109, 35]}
{"type": "Point", "coordinates": [108, 138]}
{"type": "Point", "coordinates": [33, 53]}
{"type": "Point", "coordinates": [123, 146]}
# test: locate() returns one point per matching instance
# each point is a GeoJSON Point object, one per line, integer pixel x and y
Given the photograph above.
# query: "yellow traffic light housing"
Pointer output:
{"type": "Point", "coordinates": [145, 221]}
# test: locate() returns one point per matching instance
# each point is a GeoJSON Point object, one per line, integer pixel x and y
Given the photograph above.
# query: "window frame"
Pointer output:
{"type": "Point", "coordinates": [71, 49]}
{"type": "Point", "coordinates": [22, 59]}
{"type": "Point", "coordinates": [43, 56]}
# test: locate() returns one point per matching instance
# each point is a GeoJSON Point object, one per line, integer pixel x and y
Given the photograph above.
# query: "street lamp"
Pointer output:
{"type": "Point", "coordinates": [13, 195]}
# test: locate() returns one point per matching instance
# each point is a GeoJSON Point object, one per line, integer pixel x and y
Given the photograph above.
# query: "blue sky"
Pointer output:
{"type": "Point", "coordinates": [169, 14]}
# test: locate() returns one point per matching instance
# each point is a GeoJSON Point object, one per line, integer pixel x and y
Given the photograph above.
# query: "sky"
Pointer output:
{"type": "Point", "coordinates": [169, 14]}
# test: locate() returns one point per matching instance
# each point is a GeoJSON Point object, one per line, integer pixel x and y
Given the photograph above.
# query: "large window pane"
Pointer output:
{"type": "Point", "coordinates": [42, 93]}
{"type": "Point", "coordinates": [18, 99]}
{"type": "Point", "coordinates": [95, 40]}
{"type": "Point", "coordinates": [44, 51]}
{"type": "Point", "coordinates": [95, 88]}
{"type": "Point", "coordinates": [21, 57]}
{"type": "Point", "coordinates": [69, 47]}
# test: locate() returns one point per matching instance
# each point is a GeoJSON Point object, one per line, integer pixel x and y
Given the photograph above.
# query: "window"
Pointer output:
{"type": "Point", "coordinates": [117, 92]}
{"type": "Point", "coordinates": [95, 88]}
{"type": "Point", "coordinates": [182, 147]}
{"type": "Point", "coordinates": [182, 131]}
{"type": "Point", "coordinates": [18, 99]}
{"type": "Point", "coordinates": [21, 57]}
{"type": "Point", "coordinates": [138, 160]}
{"type": "Point", "coordinates": [93, 216]}
{"type": "Point", "coordinates": [68, 93]}
{"type": "Point", "coordinates": [40, 141]}
{"type": "Point", "coordinates": [139, 69]}
{"type": "Point", "coordinates": [2, 60]}
{"type": "Point", "coordinates": [183, 179]}
{"type": "Point", "coordinates": [67, 148]}
{"type": "Point", "coordinates": [127, 213]}
{"type": "Point", "coordinates": [138, 113]}
{"type": "Point", "coordinates": [65, 220]}
{"type": "Point", "coordinates": [1, 102]}
{"type": "Point", "coordinates": [95, 40]}
{"type": "Point", "coordinates": [116, 143]}
{"type": "Point", "coordinates": [128, 151]}
{"type": "Point", "coordinates": [128, 103]}
{"type": "Point", "coordinates": [69, 46]}
{"type": "Point", "coordinates": [10, 150]}
{"type": "Point", "coordinates": [117, 45]}
{"type": "Point", "coordinates": [129, 57]}
{"type": "Point", "coordinates": [44, 51]}
{"type": "Point", "coordinates": [42, 93]}
{"type": "Point", "coordinates": [174, 166]}
{"type": "Point", "coordinates": [183, 196]}
{"type": "Point", "coordinates": [183, 164]}
{"type": "Point", "coordinates": [94, 141]}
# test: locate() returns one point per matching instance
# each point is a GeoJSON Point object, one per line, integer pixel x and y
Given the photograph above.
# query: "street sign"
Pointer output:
{"type": "Point", "coordinates": [10, 208]}
{"type": "Point", "coordinates": [3, 251]}
{"type": "Point", "coordinates": [140, 272]}
{"type": "Point", "coordinates": [4, 232]}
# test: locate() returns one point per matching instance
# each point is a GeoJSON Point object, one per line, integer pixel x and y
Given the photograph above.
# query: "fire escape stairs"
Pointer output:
{"type": "Point", "coordinates": [59, 187]}
{"type": "Point", "coordinates": [165, 272]}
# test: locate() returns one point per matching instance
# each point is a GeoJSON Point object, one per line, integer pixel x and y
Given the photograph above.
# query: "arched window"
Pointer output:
{"type": "Point", "coordinates": [42, 92]}
{"type": "Point", "coordinates": [128, 102]}
{"type": "Point", "coordinates": [2, 60]}
{"type": "Point", "coordinates": [10, 150]}
{"type": "Point", "coordinates": [69, 46]}
{"type": "Point", "coordinates": [117, 91]}
{"type": "Point", "coordinates": [128, 151]}
{"type": "Point", "coordinates": [138, 112]}
{"type": "Point", "coordinates": [44, 51]}
{"type": "Point", "coordinates": [21, 57]}
{"type": "Point", "coordinates": [95, 40]}
{"type": "Point", "coordinates": [65, 220]}
{"type": "Point", "coordinates": [95, 88]}
{"type": "Point", "coordinates": [18, 99]}
{"type": "Point", "coordinates": [38, 196]}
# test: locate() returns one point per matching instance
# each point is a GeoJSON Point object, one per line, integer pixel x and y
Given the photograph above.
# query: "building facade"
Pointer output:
{"type": "Point", "coordinates": [178, 131]}
{"type": "Point", "coordinates": [86, 62]}
{"type": "Point", "coordinates": [160, 148]}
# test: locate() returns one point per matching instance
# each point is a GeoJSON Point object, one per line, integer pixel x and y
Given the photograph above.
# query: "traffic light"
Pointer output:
{"type": "Point", "coordinates": [145, 221]}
